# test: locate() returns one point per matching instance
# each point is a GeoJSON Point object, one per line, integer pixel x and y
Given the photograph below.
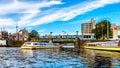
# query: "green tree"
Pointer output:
{"type": "Point", "coordinates": [103, 30]}
{"type": "Point", "coordinates": [34, 34]}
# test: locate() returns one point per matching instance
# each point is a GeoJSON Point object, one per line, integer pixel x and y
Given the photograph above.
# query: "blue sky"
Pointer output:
{"type": "Point", "coordinates": [56, 16]}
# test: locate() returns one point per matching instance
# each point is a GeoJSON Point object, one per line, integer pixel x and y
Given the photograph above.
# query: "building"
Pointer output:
{"type": "Point", "coordinates": [119, 32]}
{"type": "Point", "coordinates": [86, 29]}
{"type": "Point", "coordinates": [4, 34]}
{"type": "Point", "coordinates": [116, 31]}
{"type": "Point", "coordinates": [23, 35]}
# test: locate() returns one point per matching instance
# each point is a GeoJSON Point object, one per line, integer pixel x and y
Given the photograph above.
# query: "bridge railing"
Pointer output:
{"type": "Point", "coordinates": [56, 40]}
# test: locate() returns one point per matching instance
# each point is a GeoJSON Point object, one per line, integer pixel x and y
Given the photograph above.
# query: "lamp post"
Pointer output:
{"type": "Point", "coordinates": [76, 34]}
{"type": "Point", "coordinates": [64, 32]}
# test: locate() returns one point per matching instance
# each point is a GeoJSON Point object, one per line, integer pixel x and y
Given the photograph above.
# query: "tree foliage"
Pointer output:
{"type": "Point", "coordinates": [34, 34]}
{"type": "Point", "coordinates": [101, 30]}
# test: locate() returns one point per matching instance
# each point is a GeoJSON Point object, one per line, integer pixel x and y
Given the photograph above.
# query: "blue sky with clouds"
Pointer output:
{"type": "Point", "coordinates": [56, 16]}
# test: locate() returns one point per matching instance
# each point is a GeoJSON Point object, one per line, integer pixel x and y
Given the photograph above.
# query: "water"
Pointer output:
{"type": "Point", "coordinates": [12, 57]}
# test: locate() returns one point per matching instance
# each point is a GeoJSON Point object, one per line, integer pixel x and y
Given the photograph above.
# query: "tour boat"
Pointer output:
{"type": "Point", "coordinates": [109, 45]}
{"type": "Point", "coordinates": [37, 45]}
{"type": "Point", "coordinates": [68, 47]}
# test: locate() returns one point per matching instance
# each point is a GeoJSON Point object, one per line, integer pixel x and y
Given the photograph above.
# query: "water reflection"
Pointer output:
{"type": "Point", "coordinates": [26, 53]}
{"type": "Point", "coordinates": [102, 59]}
{"type": "Point", "coordinates": [102, 62]}
{"type": "Point", "coordinates": [53, 58]}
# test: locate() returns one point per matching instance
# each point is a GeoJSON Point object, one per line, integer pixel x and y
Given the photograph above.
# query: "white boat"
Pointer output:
{"type": "Point", "coordinates": [35, 45]}
{"type": "Point", "coordinates": [3, 42]}
{"type": "Point", "coordinates": [68, 47]}
{"type": "Point", "coordinates": [109, 45]}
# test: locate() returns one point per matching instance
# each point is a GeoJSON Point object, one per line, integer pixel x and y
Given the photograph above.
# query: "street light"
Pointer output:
{"type": "Point", "coordinates": [76, 33]}
{"type": "Point", "coordinates": [64, 32]}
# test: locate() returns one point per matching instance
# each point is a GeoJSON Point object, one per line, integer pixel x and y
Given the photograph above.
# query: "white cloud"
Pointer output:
{"type": "Point", "coordinates": [28, 10]}
{"type": "Point", "coordinates": [31, 11]}
{"type": "Point", "coordinates": [22, 7]}
{"type": "Point", "coordinates": [86, 7]}
{"type": "Point", "coordinates": [11, 30]}
{"type": "Point", "coordinates": [107, 16]}
{"type": "Point", "coordinates": [42, 30]}
{"type": "Point", "coordinates": [6, 22]}
{"type": "Point", "coordinates": [73, 11]}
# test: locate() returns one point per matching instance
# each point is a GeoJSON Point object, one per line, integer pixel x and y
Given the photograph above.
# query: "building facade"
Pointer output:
{"type": "Point", "coordinates": [118, 31]}
{"type": "Point", "coordinates": [86, 29]}
{"type": "Point", "coordinates": [115, 32]}
{"type": "Point", "coordinates": [4, 34]}
{"type": "Point", "coordinates": [23, 35]}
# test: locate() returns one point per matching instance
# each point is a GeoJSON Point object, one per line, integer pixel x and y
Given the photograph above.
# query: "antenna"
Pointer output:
{"type": "Point", "coordinates": [3, 27]}
{"type": "Point", "coordinates": [16, 27]}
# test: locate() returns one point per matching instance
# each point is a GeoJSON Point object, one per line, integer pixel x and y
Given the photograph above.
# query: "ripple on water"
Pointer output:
{"type": "Point", "coordinates": [15, 57]}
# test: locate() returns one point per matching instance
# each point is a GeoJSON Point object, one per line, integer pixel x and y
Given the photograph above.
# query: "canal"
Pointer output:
{"type": "Point", "coordinates": [15, 57]}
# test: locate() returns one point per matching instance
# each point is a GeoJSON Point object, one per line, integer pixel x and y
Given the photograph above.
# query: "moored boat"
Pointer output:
{"type": "Point", "coordinates": [69, 47]}
{"type": "Point", "coordinates": [37, 45]}
{"type": "Point", "coordinates": [110, 46]}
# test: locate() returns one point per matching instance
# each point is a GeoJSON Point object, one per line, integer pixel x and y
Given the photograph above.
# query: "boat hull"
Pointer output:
{"type": "Point", "coordinates": [39, 47]}
{"type": "Point", "coordinates": [103, 48]}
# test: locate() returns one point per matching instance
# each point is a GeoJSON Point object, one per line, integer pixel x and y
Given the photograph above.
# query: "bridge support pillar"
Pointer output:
{"type": "Point", "coordinates": [50, 37]}
{"type": "Point", "coordinates": [77, 44]}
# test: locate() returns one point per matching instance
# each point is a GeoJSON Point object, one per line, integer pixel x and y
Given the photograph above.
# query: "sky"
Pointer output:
{"type": "Point", "coordinates": [57, 16]}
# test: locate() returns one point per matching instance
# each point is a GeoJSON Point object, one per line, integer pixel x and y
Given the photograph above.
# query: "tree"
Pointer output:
{"type": "Point", "coordinates": [34, 34]}
{"type": "Point", "coordinates": [103, 30]}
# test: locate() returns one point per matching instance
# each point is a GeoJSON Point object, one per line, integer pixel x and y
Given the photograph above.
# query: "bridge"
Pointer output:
{"type": "Point", "coordinates": [75, 40]}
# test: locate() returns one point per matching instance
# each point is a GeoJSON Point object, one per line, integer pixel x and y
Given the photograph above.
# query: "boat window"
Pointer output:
{"type": "Point", "coordinates": [44, 43]}
{"type": "Point", "coordinates": [28, 43]}
{"type": "Point", "coordinates": [51, 44]}
{"type": "Point", "coordinates": [41, 44]}
{"type": "Point", "coordinates": [35, 44]}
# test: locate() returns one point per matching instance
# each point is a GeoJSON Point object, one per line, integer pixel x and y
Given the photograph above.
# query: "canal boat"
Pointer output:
{"type": "Point", "coordinates": [67, 47]}
{"type": "Point", "coordinates": [109, 45]}
{"type": "Point", "coordinates": [38, 45]}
